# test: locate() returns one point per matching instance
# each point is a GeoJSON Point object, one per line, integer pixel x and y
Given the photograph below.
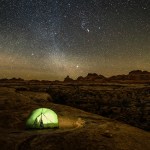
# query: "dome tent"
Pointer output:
{"type": "Point", "coordinates": [42, 118]}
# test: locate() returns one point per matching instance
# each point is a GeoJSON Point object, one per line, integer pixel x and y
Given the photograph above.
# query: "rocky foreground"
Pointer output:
{"type": "Point", "coordinates": [77, 129]}
{"type": "Point", "coordinates": [129, 103]}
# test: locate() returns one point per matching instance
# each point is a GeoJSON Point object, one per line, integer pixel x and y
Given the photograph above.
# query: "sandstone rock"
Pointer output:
{"type": "Point", "coordinates": [78, 130]}
{"type": "Point", "coordinates": [68, 79]}
{"type": "Point", "coordinates": [125, 103]}
{"type": "Point", "coordinates": [91, 77]}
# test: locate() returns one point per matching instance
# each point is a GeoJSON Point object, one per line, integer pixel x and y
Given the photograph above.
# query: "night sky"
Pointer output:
{"type": "Point", "coordinates": [50, 39]}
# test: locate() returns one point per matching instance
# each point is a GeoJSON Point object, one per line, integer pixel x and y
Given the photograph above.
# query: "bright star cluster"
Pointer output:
{"type": "Point", "coordinates": [50, 39]}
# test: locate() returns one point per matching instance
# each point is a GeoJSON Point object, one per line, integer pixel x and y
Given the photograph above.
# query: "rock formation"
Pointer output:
{"type": "Point", "coordinates": [139, 75]}
{"type": "Point", "coordinates": [128, 103]}
{"type": "Point", "coordinates": [78, 130]}
{"type": "Point", "coordinates": [136, 75]}
{"type": "Point", "coordinates": [91, 77]}
{"type": "Point", "coordinates": [68, 79]}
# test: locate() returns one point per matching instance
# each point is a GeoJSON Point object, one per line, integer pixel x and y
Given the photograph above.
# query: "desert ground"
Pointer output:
{"type": "Point", "coordinates": [129, 103]}
{"type": "Point", "coordinates": [78, 129]}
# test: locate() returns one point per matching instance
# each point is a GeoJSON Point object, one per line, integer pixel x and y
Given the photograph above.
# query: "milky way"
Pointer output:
{"type": "Point", "coordinates": [50, 39]}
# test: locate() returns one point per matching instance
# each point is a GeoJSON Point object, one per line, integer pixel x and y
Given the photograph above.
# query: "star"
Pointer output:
{"type": "Point", "coordinates": [88, 30]}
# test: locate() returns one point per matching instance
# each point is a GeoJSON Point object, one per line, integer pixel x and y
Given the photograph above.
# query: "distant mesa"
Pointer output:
{"type": "Point", "coordinates": [135, 76]}
{"type": "Point", "coordinates": [17, 79]}
{"type": "Point", "coordinates": [80, 78]}
{"type": "Point", "coordinates": [12, 80]}
{"type": "Point", "coordinates": [91, 77]}
{"type": "Point", "coordinates": [138, 72]}
{"type": "Point", "coordinates": [4, 79]}
{"type": "Point", "coordinates": [139, 75]}
{"type": "Point", "coordinates": [118, 77]}
{"type": "Point", "coordinates": [68, 79]}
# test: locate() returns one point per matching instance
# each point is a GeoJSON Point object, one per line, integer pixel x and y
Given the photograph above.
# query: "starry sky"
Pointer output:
{"type": "Point", "coordinates": [50, 39]}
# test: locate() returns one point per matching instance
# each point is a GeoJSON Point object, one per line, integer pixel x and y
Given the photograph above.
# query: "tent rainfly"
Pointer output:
{"type": "Point", "coordinates": [42, 118]}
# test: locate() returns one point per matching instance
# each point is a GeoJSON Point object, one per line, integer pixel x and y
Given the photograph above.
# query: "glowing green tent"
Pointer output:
{"type": "Point", "coordinates": [42, 118]}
